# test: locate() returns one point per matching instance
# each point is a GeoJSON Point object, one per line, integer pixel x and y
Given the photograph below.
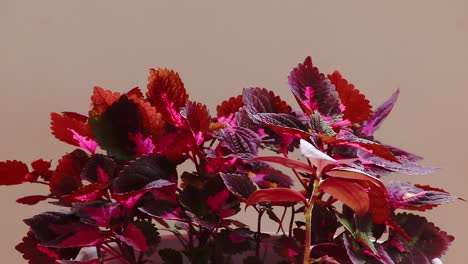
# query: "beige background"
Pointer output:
{"type": "Point", "coordinates": [53, 52]}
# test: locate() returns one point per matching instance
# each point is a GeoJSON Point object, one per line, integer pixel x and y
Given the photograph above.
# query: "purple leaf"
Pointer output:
{"type": "Point", "coordinates": [137, 174]}
{"type": "Point", "coordinates": [261, 100]}
{"type": "Point", "coordinates": [347, 138]}
{"type": "Point", "coordinates": [282, 123]}
{"type": "Point", "coordinates": [242, 119]}
{"type": "Point", "coordinates": [288, 163]}
{"type": "Point", "coordinates": [113, 127]}
{"type": "Point", "coordinates": [239, 140]}
{"type": "Point", "coordinates": [379, 115]}
{"type": "Point", "coordinates": [134, 237]}
{"type": "Point", "coordinates": [427, 239]}
{"type": "Point", "coordinates": [130, 199]}
{"type": "Point", "coordinates": [143, 146]}
{"type": "Point", "coordinates": [324, 93]}
{"type": "Point", "coordinates": [238, 184]}
{"type": "Point", "coordinates": [99, 213]}
{"type": "Point", "coordinates": [402, 153]}
{"type": "Point", "coordinates": [407, 196]}
{"type": "Point", "coordinates": [287, 247]}
{"type": "Point", "coordinates": [404, 166]}
{"type": "Point", "coordinates": [271, 178]}
{"type": "Point", "coordinates": [331, 250]}
{"type": "Point", "coordinates": [55, 229]}
{"type": "Point", "coordinates": [216, 201]}
{"type": "Point", "coordinates": [87, 193]}
{"type": "Point", "coordinates": [323, 224]}
{"type": "Point", "coordinates": [99, 168]}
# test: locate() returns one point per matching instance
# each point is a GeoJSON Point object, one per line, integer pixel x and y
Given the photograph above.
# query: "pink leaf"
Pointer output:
{"type": "Point", "coordinates": [379, 115]}
{"type": "Point", "coordinates": [142, 146]}
{"type": "Point", "coordinates": [84, 143]}
{"type": "Point", "coordinates": [83, 238]}
{"type": "Point", "coordinates": [134, 237]}
{"type": "Point", "coordinates": [216, 201]}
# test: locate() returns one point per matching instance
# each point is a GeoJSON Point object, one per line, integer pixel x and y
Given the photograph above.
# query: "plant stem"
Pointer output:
{"type": "Point", "coordinates": [291, 222]}
{"type": "Point", "coordinates": [308, 217]}
{"type": "Point", "coordinates": [259, 232]}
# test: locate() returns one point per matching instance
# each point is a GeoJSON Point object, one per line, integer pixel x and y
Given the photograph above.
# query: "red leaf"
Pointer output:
{"type": "Point", "coordinates": [13, 172]}
{"type": "Point", "coordinates": [276, 195]}
{"type": "Point", "coordinates": [31, 200]}
{"type": "Point", "coordinates": [167, 93]}
{"type": "Point", "coordinates": [142, 146]}
{"type": "Point", "coordinates": [348, 192]}
{"type": "Point", "coordinates": [175, 146]}
{"type": "Point", "coordinates": [379, 206]}
{"type": "Point", "coordinates": [347, 138]}
{"type": "Point", "coordinates": [83, 238]}
{"type": "Point", "coordinates": [153, 123]}
{"type": "Point", "coordinates": [101, 100]}
{"type": "Point", "coordinates": [378, 198]}
{"type": "Point", "coordinates": [28, 247]}
{"type": "Point", "coordinates": [357, 107]}
{"type": "Point", "coordinates": [289, 163]}
{"type": "Point", "coordinates": [88, 193]}
{"type": "Point", "coordinates": [135, 92]}
{"type": "Point", "coordinates": [227, 109]}
{"type": "Point", "coordinates": [62, 126]}
{"type": "Point", "coordinates": [41, 166]}
{"type": "Point", "coordinates": [198, 119]}
{"type": "Point", "coordinates": [99, 213]}
{"type": "Point", "coordinates": [216, 201]}
{"type": "Point", "coordinates": [134, 237]}
{"type": "Point", "coordinates": [66, 177]}
{"type": "Point", "coordinates": [353, 174]}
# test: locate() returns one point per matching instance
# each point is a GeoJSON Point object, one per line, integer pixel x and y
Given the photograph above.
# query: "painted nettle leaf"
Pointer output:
{"type": "Point", "coordinates": [147, 163]}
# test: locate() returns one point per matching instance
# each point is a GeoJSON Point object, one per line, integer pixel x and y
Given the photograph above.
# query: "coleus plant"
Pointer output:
{"type": "Point", "coordinates": [123, 183]}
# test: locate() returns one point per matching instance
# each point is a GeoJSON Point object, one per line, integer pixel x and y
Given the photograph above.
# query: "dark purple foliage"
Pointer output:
{"type": "Point", "coordinates": [99, 168]}
{"type": "Point", "coordinates": [170, 166]}
{"type": "Point", "coordinates": [379, 115]}
{"type": "Point", "coordinates": [239, 140]}
{"type": "Point", "coordinates": [402, 195]}
{"type": "Point", "coordinates": [403, 165]}
{"type": "Point", "coordinates": [427, 240]}
{"type": "Point", "coordinates": [113, 128]}
{"type": "Point", "coordinates": [54, 229]}
{"type": "Point", "coordinates": [143, 171]}
{"type": "Point", "coordinates": [324, 93]}
{"type": "Point", "coordinates": [238, 184]}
